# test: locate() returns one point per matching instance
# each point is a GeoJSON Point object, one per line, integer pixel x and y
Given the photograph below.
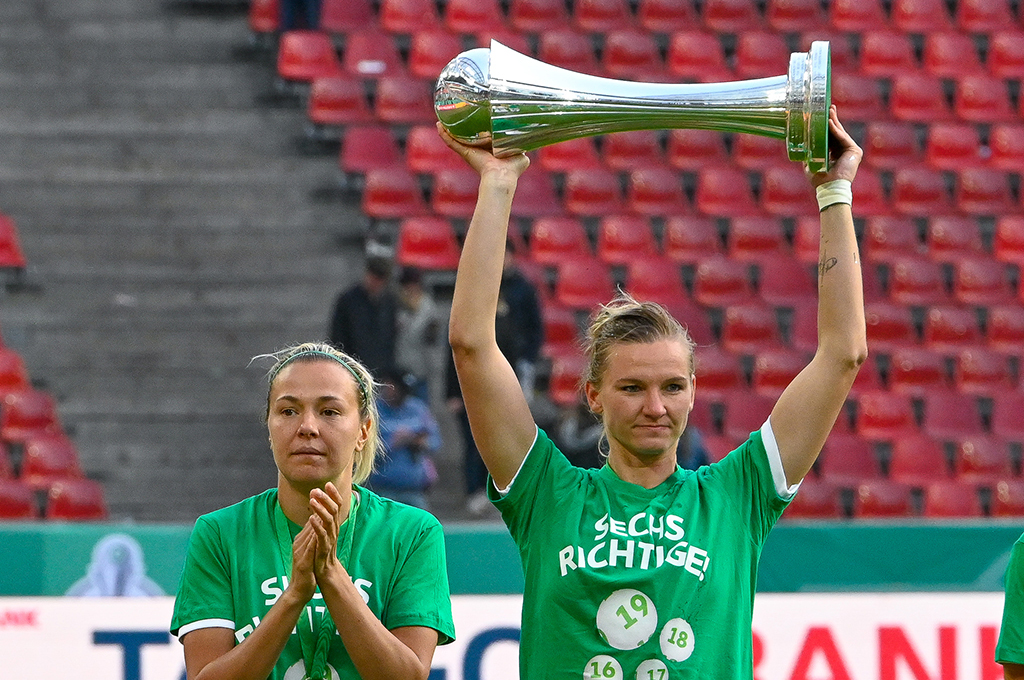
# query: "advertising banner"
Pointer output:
{"type": "Point", "coordinates": [845, 636]}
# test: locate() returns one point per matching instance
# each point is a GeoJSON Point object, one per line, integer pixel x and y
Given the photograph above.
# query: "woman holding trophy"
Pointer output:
{"type": "Point", "coordinates": [641, 569]}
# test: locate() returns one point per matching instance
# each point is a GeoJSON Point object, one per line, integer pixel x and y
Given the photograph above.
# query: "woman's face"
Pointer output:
{"type": "Point", "coordinates": [314, 422]}
{"type": "Point", "coordinates": [644, 397]}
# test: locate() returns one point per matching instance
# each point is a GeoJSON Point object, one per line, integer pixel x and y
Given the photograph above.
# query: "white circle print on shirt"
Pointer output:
{"type": "Point", "coordinates": [677, 640]}
{"type": "Point", "coordinates": [652, 669]}
{"type": "Point", "coordinates": [297, 671]}
{"type": "Point", "coordinates": [627, 619]}
{"type": "Point", "coordinates": [603, 667]}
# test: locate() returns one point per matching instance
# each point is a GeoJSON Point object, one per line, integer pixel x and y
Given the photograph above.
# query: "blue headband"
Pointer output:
{"type": "Point", "coordinates": [325, 355]}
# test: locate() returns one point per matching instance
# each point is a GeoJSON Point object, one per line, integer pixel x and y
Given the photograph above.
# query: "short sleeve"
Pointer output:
{"type": "Point", "coordinates": [204, 592]}
{"type": "Point", "coordinates": [420, 595]}
{"type": "Point", "coordinates": [1011, 635]}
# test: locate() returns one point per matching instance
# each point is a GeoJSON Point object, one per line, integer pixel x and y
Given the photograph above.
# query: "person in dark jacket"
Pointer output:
{"type": "Point", "coordinates": [365, 323]}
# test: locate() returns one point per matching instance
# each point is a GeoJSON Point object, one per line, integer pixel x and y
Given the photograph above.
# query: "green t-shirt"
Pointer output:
{"type": "Point", "coordinates": [624, 582]}
{"type": "Point", "coordinates": [232, 573]}
{"type": "Point", "coordinates": [1010, 648]}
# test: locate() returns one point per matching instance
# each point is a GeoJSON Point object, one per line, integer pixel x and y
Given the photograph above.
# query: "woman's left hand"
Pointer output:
{"type": "Point", "coordinates": [843, 150]}
{"type": "Point", "coordinates": [325, 505]}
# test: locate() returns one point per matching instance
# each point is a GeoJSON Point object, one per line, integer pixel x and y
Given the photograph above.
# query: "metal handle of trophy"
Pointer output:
{"type": "Point", "coordinates": [515, 103]}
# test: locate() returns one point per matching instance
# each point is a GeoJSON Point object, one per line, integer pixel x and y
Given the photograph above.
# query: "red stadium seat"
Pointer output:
{"type": "Point", "coordinates": [601, 16]}
{"type": "Point", "coordinates": [981, 281]}
{"type": "Point", "coordinates": [719, 282]}
{"type": "Point", "coordinates": [264, 16]}
{"type": "Point", "coordinates": [761, 54]}
{"type": "Point", "coordinates": [556, 239]}
{"type": "Point", "coordinates": [1006, 53]}
{"type": "Point", "coordinates": [11, 255]}
{"type": "Point", "coordinates": [13, 374]}
{"type": "Point", "coordinates": [793, 16]}
{"type": "Point", "coordinates": [625, 238]}
{"type": "Point", "coordinates": [567, 48]}
{"type": "Point", "coordinates": [919, 98]}
{"type": "Point", "coordinates": [884, 415]}
{"type": "Point", "coordinates": [404, 101]}
{"type": "Point", "coordinates": [982, 191]}
{"type": "Point", "coordinates": [1007, 499]}
{"type": "Point", "coordinates": [917, 281]}
{"type": "Point", "coordinates": [916, 371]}
{"type": "Point", "coordinates": [633, 54]}
{"type": "Point", "coordinates": [561, 332]}
{"type": "Point", "coordinates": [656, 191]}
{"type": "Point", "coordinates": [725, 192]}
{"type": "Point", "coordinates": [857, 16]}
{"type": "Point", "coordinates": [719, 373]}
{"type": "Point", "coordinates": [338, 100]}
{"type": "Point", "coordinates": [890, 238]}
{"type": "Point", "coordinates": [732, 16]}
{"type": "Point", "coordinates": [786, 282]}
{"type": "Point", "coordinates": [632, 150]}
{"type": "Point", "coordinates": [951, 415]}
{"type": "Point", "coordinates": [920, 191]}
{"type": "Point", "coordinates": [756, 152]}
{"type": "Point", "coordinates": [430, 51]}
{"type": "Point", "coordinates": [1005, 331]}
{"type": "Point", "coordinates": [659, 280]}
{"type": "Point", "coordinates": [950, 329]}
{"type": "Point", "coordinates": [17, 501]}
{"type": "Point", "coordinates": [1008, 245]}
{"type": "Point", "coordinates": [807, 239]}
{"type": "Point", "coordinates": [345, 16]}
{"type": "Point", "coordinates": [981, 459]}
{"type": "Point", "coordinates": [583, 284]}
{"type": "Point", "coordinates": [886, 53]}
{"type": "Point", "coordinates": [953, 146]}
{"type": "Point", "coordinates": [882, 498]}
{"type": "Point", "coordinates": [951, 498]}
{"type": "Point", "coordinates": [745, 412]}
{"type": "Point", "coordinates": [917, 461]}
{"type": "Point", "coordinates": [368, 147]}
{"type": "Point", "coordinates": [920, 16]}
{"type": "Point", "coordinates": [568, 155]}
{"type": "Point", "coordinates": [868, 378]}
{"type": "Point", "coordinates": [891, 145]}
{"type": "Point", "coordinates": [508, 37]}
{"type": "Point", "coordinates": [698, 56]}
{"type": "Point", "coordinates": [427, 243]}
{"type": "Point", "coordinates": [858, 97]}
{"type": "Point", "coordinates": [408, 16]}
{"type": "Point", "coordinates": [26, 414]}
{"type": "Point", "coordinates": [750, 328]}
{"type": "Point", "coordinates": [950, 54]}
{"type": "Point", "coordinates": [983, 99]}
{"type": "Point", "coordinates": [690, 239]}
{"type": "Point", "coordinates": [534, 16]}
{"type": "Point", "coordinates": [667, 16]}
{"type": "Point", "coordinates": [951, 238]}
{"type": "Point", "coordinates": [756, 238]}
{"type": "Point", "coordinates": [47, 459]}
{"type": "Point", "coordinates": [774, 369]}
{"type": "Point", "coordinates": [815, 500]}
{"type": "Point", "coordinates": [6, 466]}
{"type": "Point", "coordinates": [847, 460]}
{"type": "Point", "coordinates": [695, 149]}
{"type": "Point", "coordinates": [473, 16]}
{"type": "Point", "coordinates": [303, 56]}
{"type": "Point", "coordinates": [983, 16]}
{"type": "Point", "coordinates": [889, 326]}
{"type": "Point", "coordinates": [536, 196]}
{"type": "Point", "coordinates": [840, 51]}
{"type": "Point", "coordinates": [593, 192]}
{"type": "Point", "coordinates": [871, 196]}
{"type": "Point", "coordinates": [390, 193]}
{"type": "Point", "coordinates": [1006, 420]}
{"type": "Point", "coordinates": [426, 153]}
{"type": "Point", "coordinates": [786, 192]}
{"type": "Point", "coordinates": [76, 500]}
{"type": "Point", "coordinates": [454, 192]}
{"type": "Point", "coordinates": [1006, 141]}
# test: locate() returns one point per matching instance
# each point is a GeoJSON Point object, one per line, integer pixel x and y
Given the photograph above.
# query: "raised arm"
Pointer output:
{"type": "Point", "coordinates": [807, 409]}
{"type": "Point", "coordinates": [499, 415]}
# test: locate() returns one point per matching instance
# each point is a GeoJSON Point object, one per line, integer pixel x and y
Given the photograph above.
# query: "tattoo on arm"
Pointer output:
{"type": "Point", "coordinates": [826, 264]}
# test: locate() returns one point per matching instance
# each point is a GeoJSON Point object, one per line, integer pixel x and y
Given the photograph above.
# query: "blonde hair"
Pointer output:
{"type": "Point", "coordinates": [366, 389]}
{"type": "Point", "coordinates": [627, 320]}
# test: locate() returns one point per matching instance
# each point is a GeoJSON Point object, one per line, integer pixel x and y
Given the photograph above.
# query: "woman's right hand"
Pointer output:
{"type": "Point", "coordinates": [303, 581]}
{"type": "Point", "coordinates": [482, 160]}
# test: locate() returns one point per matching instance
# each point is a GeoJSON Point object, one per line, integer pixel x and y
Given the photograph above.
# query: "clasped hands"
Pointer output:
{"type": "Point", "coordinates": [314, 551]}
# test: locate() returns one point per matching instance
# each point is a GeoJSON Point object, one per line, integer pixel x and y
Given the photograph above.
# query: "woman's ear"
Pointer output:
{"type": "Point", "coordinates": [593, 397]}
{"type": "Point", "coordinates": [364, 434]}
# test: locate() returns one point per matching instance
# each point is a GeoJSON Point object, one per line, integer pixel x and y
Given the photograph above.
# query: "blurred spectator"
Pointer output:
{"type": "Point", "coordinates": [518, 326]}
{"type": "Point", "coordinates": [419, 331]}
{"type": "Point", "coordinates": [365, 320]}
{"type": "Point", "coordinates": [411, 438]}
{"type": "Point", "coordinates": [300, 14]}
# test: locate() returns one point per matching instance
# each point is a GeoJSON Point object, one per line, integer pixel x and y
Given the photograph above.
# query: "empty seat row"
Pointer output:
{"type": "Point", "coordinates": [65, 500]}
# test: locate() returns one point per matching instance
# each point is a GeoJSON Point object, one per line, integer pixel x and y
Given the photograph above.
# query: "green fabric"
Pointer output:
{"type": "Point", "coordinates": [1010, 648]}
{"type": "Point", "coordinates": [627, 582]}
{"type": "Point", "coordinates": [231, 575]}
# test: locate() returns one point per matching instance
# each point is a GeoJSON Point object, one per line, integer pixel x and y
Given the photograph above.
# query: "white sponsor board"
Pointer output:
{"type": "Point", "coordinates": [855, 636]}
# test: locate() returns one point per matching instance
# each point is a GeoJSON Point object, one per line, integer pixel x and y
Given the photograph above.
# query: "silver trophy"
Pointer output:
{"type": "Point", "coordinates": [514, 103]}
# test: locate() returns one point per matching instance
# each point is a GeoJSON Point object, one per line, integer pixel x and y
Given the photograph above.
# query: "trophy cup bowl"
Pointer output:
{"type": "Point", "coordinates": [513, 103]}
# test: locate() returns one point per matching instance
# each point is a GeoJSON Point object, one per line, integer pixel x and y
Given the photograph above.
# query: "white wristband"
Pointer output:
{"type": "Point", "coordinates": [836, 191]}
